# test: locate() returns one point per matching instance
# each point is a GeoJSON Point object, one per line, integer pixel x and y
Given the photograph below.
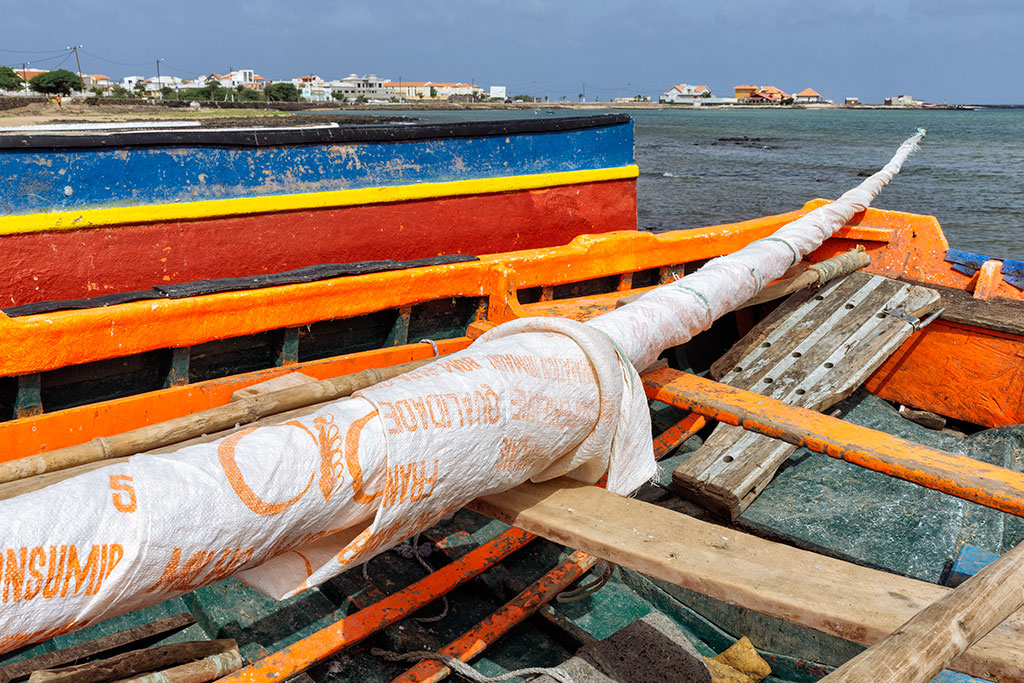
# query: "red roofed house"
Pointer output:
{"type": "Point", "coordinates": [685, 94]}
{"type": "Point", "coordinates": [807, 96]}
{"type": "Point", "coordinates": [766, 94]}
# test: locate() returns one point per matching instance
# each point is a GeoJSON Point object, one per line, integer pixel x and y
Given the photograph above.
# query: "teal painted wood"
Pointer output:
{"type": "Point", "coordinates": [41, 179]}
{"type": "Point", "coordinates": [289, 351]}
{"type": "Point", "coordinates": [177, 375]}
{"type": "Point", "coordinates": [28, 400]}
{"type": "Point", "coordinates": [399, 333]}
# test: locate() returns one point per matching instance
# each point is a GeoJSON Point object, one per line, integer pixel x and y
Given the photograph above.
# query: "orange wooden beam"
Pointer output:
{"type": "Point", "coordinates": [957, 475]}
{"type": "Point", "coordinates": [303, 654]}
{"type": "Point", "coordinates": [50, 431]}
{"type": "Point", "coordinates": [477, 639]}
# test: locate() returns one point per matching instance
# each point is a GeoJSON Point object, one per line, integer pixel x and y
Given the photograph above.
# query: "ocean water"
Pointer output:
{"type": "Point", "coordinates": [703, 167]}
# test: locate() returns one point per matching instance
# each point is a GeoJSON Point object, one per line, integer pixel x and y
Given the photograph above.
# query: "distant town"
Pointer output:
{"type": "Point", "coordinates": [241, 85]}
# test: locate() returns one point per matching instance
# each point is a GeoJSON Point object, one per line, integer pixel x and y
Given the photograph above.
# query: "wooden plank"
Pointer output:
{"type": "Point", "coordinates": [129, 664]}
{"type": "Point", "coordinates": [921, 648]}
{"type": "Point", "coordinates": [139, 636]}
{"type": "Point", "coordinates": [814, 350]}
{"type": "Point", "coordinates": [836, 597]}
{"type": "Point", "coordinates": [999, 314]}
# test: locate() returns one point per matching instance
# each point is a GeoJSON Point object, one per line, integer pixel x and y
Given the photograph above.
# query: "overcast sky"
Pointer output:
{"type": "Point", "coordinates": [963, 51]}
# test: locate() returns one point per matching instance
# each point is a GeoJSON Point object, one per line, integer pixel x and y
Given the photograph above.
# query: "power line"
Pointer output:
{"type": "Point", "coordinates": [182, 70]}
{"type": "Point", "coordinates": [31, 52]}
{"type": "Point", "coordinates": [104, 59]}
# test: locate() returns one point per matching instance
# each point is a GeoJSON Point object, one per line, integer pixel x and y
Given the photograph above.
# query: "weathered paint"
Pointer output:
{"type": "Point", "coordinates": [50, 431]}
{"type": "Point", "coordinates": [56, 180]}
{"type": "Point", "coordinates": [244, 206]}
{"type": "Point", "coordinates": [959, 371]}
{"type": "Point", "coordinates": [45, 342]}
{"type": "Point", "coordinates": [314, 648]}
{"type": "Point", "coordinates": [474, 641]}
{"type": "Point", "coordinates": [958, 475]}
{"type": "Point", "coordinates": [46, 266]}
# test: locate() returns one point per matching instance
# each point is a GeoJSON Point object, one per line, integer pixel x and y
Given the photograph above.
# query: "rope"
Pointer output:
{"type": "Point", "coordinates": [420, 551]}
{"type": "Point", "coordinates": [433, 345]}
{"type": "Point", "coordinates": [589, 589]}
{"type": "Point", "coordinates": [796, 254]}
{"type": "Point", "coordinates": [463, 669]}
{"type": "Point", "coordinates": [843, 264]}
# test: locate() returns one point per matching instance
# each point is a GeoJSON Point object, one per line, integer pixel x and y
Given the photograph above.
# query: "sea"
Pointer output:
{"type": "Point", "coordinates": [706, 166]}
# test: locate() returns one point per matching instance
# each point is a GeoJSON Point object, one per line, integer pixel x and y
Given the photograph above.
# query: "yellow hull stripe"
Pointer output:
{"type": "Point", "coordinates": [152, 213]}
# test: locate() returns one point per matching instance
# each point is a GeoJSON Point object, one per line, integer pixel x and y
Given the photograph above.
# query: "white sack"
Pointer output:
{"type": "Point", "coordinates": [673, 314]}
{"type": "Point", "coordinates": [287, 506]}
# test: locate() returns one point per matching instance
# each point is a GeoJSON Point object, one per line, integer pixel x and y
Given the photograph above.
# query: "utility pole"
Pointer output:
{"type": "Point", "coordinates": [81, 81]}
{"type": "Point", "coordinates": [584, 91]}
{"type": "Point", "coordinates": [24, 73]}
{"type": "Point", "coordinates": [159, 87]}
{"type": "Point", "coordinates": [535, 92]}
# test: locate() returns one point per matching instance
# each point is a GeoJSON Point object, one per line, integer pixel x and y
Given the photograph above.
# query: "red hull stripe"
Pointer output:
{"type": "Point", "coordinates": [48, 266]}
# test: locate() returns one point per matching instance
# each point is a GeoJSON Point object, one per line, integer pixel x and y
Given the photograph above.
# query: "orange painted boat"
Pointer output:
{"type": "Point", "coordinates": [70, 376]}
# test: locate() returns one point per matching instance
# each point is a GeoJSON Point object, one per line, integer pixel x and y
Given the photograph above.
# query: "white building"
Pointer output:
{"type": "Point", "coordinates": [902, 101]}
{"type": "Point", "coordinates": [808, 96]}
{"type": "Point", "coordinates": [432, 90]}
{"type": "Point", "coordinates": [154, 84]}
{"type": "Point", "coordinates": [244, 77]}
{"type": "Point", "coordinates": [370, 87]}
{"type": "Point", "coordinates": [129, 82]}
{"type": "Point", "coordinates": [685, 94]}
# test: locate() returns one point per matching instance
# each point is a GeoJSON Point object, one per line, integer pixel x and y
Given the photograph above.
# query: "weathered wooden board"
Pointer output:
{"type": "Point", "coordinates": [140, 636]}
{"type": "Point", "coordinates": [832, 596]}
{"type": "Point", "coordinates": [812, 351]}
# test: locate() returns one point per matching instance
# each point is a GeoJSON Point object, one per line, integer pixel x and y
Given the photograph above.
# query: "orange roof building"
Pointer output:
{"type": "Point", "coordinates": [745, 91]}
{"type": "Point", "coordinates": [808, 95]}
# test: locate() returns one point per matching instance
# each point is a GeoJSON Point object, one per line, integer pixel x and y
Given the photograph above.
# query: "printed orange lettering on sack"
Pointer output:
{"type": "Point", "coordinates": [329, 444]}
{"type": "Point", "coordinates": [409, 482]}
{"type": "Point", "coordinates": [192, 574]}
{"type": "Point", "coordinates": [438, 411]}
{"type": "Point", "coordinates": [124, 493]}
{"type": "Point", "coordinates": [22, 570]}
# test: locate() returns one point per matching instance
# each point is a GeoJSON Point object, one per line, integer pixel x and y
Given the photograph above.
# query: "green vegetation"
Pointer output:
{"type": "Point", "coordinates": [250, 95]}
{"type": "Point", "coordinates": [59, 82]}
{"type": "Point", "coordinates": [119, 92]}
{"type": "Point", "coordinates": [9, 79]}
{"type": "Point", "coordinates": [283, 92]}
{"type": "Point", "coordinates": [338, 95]}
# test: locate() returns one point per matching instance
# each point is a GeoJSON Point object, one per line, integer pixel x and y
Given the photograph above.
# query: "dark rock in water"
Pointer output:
{"type": "Point", "coordinates": [865, 174]}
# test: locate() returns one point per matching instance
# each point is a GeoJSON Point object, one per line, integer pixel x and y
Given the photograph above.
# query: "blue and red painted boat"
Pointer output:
{"type": "Point", "coordinates": [865, 550]}
{"type": "Point", "coordinates": [91, 214]}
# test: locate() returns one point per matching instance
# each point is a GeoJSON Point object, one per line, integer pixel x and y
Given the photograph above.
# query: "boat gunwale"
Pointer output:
{"type": "Point", "coordinates": [310, 136]}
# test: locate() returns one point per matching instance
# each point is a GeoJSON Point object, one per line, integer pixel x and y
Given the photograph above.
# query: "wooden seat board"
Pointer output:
{"type": "Point", "coordinates": [814, 350]}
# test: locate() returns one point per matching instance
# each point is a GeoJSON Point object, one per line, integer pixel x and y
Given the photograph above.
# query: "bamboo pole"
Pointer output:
{"type": "Point", "coordinates": [927, 643]}
{"type": "Point", "coordinates": [817, 275]}
{"type": "Point", "coordinates": [205, 422]}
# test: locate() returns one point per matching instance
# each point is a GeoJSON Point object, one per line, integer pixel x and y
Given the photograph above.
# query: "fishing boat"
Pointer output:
{"type": "Point", "coordinates": [92, 213]}
{"type": "Point", "coordinates": [867, 541]}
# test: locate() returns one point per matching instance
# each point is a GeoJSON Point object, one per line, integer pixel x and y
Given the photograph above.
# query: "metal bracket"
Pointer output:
{"type": "Point", "coordinates": [916, 323]}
